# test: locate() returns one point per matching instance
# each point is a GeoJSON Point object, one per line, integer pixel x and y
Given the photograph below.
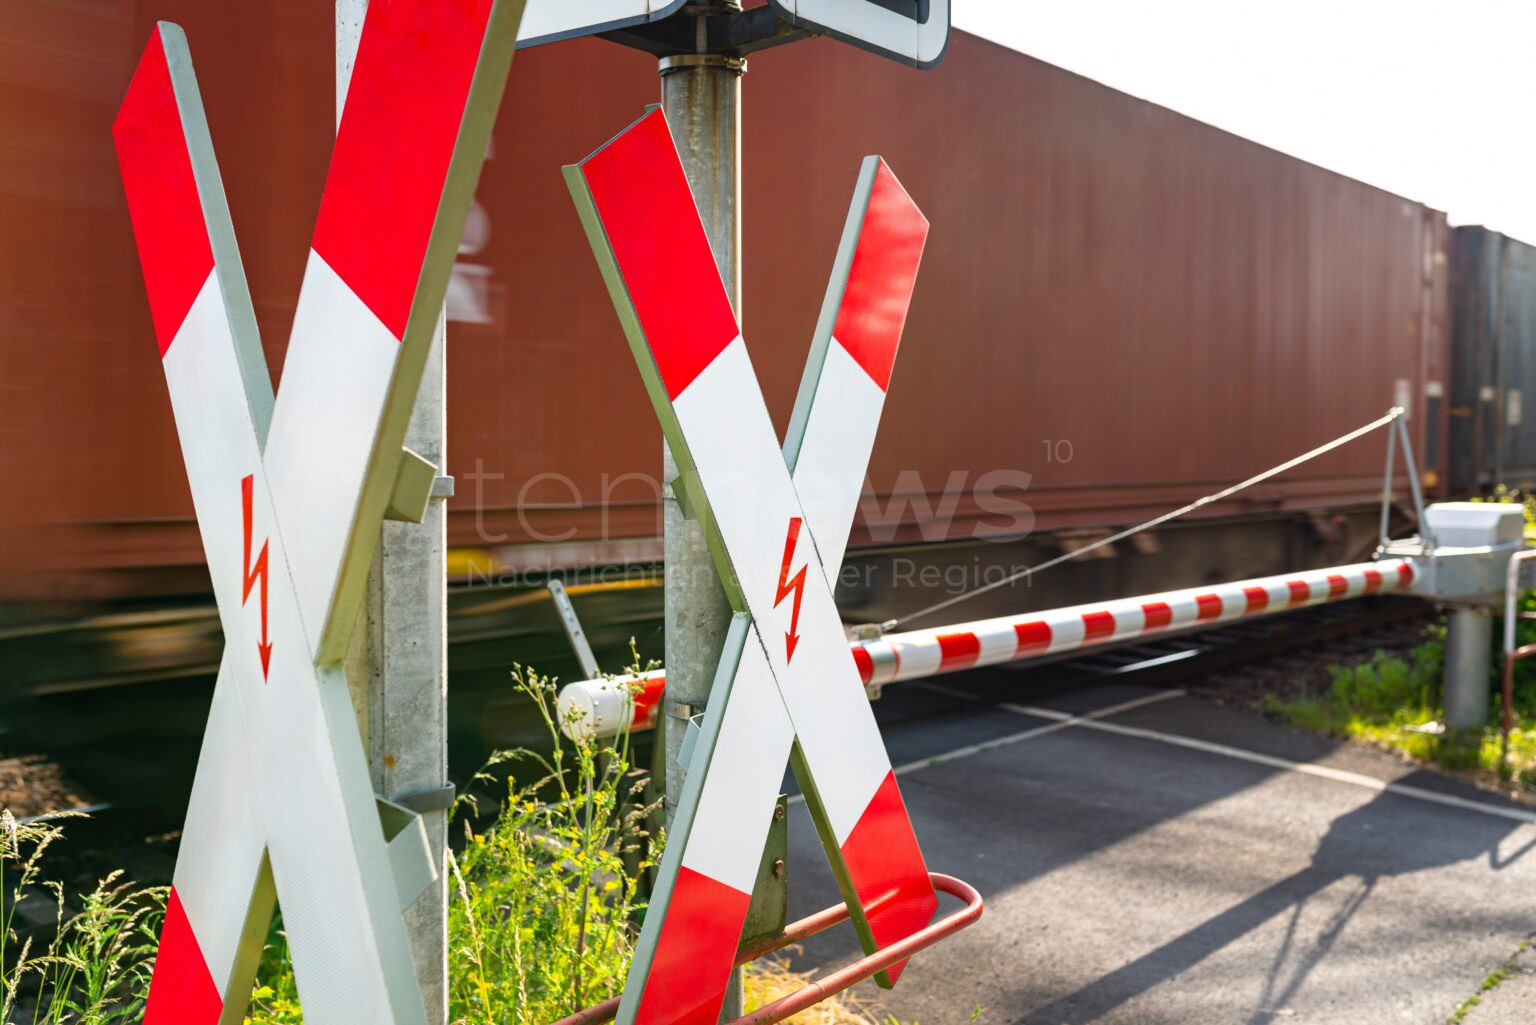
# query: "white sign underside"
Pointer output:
{"type": "Point", "coordinates": [549, 21]}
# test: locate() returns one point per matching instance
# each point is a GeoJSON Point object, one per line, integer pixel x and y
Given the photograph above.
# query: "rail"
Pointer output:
{"type": "Point", "coordinates": [815, 992]}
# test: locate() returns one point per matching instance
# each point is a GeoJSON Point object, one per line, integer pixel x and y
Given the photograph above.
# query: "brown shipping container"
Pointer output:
{"type": "Point", "coordinates": [1128, 306]}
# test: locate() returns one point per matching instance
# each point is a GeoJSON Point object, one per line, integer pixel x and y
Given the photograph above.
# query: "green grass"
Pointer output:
{"type": "Point", "coordinates": [1390, 699]}
{"type": "Point", "coordinates": [93, 969]}
{"type": "Point", "coordinates": [1396, 701]}
{"type": "Point", "coordinates": [1490, 982]}
{"type": "Point", "coordinates": [545, 902]}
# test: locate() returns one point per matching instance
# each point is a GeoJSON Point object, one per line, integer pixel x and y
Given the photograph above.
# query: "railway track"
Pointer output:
{"type": "Point", "coordinates": [152, 802]}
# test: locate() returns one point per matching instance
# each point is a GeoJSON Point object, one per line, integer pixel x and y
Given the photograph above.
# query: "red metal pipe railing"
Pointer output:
{"type": "Point", "coordinates": [1512, 654]}
{"type": "Point", "coordinates": [815, 992]}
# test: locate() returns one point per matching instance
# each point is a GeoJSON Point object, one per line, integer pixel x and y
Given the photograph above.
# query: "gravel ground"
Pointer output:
{"type": "Point", "coordinates": [1304, 672]}
{"type": "Point", "coordinates": [1307, 672]}
{"type": "Point", "coordinates": [32, 785]}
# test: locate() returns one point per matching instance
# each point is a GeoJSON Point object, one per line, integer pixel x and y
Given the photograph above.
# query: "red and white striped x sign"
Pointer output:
{"type": "Point", "coordinates": [777, 522]}
{"type": "Point", "coordinates": [290, 494]}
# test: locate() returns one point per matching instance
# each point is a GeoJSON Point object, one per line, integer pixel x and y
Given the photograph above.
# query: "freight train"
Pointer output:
{"type": "Point", "coordinates": [1120, 309]}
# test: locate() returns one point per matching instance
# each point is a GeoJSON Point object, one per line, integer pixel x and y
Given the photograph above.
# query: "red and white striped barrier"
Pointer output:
{"type": "Point", "coordinates": [607, 707]}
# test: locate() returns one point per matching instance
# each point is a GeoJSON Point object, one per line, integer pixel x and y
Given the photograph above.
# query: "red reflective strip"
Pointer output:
{"type": "Point", "coordinates": [1337, 586]}
{"type": "Point", "coordinates": [647, 211]}
{"type": "Point", "coordinates": [1209, 606]}
{"type": "Point", "coordinates": [163, 204]}
{"type": "Point", "coordinates": [881, 277]}
{"type": "Point", "coordinates": [647, 701]}
{"type": "Point", "coordinates": [1032, 637]}
{"type": "Point", "coordinates": [181, 990]}
{"type": "Point", "coordinates": [865, 662]}
{"type": "Point", "coordinates": [1404, 574]}
{"type": "Point", "coordinates": [694, 953]}
{"type": "Point", "coordinates": [1097, 625]}
{"type": "Point", "coordinates": [1258, 599]}
{"type": "Point", "coordinates": [404, 108]}
{"type": "Point", "coordinates": [958, 651]}
{"type": "Point", "coordinates": [1372, 581]}
{"type": "Point", "coordinates": [1301, 591]}
{"type": "Point", "coordinates": [1157, 615]}
{"type": "Point", "coordinates": [887, 870]}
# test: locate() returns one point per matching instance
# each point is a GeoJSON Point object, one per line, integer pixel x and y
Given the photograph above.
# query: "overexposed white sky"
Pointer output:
{"type": "Point", "coordinates": [1431, 99]}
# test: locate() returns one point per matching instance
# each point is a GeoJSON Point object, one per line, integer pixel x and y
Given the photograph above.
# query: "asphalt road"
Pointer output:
{"type": "Point", "coordinates": [1217, 869]}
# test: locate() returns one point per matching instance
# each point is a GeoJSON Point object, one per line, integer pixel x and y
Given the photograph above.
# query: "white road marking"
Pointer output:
{"type": "Point", "coordinates": [1094, 721]}
{"type": "Point", "coordinates": [1356, 779]}
{"type": "Point", "coordinates": [1014, 738]}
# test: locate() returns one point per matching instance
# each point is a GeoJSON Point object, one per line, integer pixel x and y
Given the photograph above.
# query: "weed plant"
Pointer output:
{"type": "Point", "coordinates": [1398, 701]}
{"type": "Point", "coordinates": [87, 967]}
{"type": "Point", "coordinates": [544, 904]}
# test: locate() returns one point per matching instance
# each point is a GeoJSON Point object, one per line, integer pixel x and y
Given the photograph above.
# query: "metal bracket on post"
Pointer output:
{"type": "Point", "coordinates": [691, 730]}
{"type": "Point", "coordinates": [1384, 536]}
{"type": "Point", "coordinates": [769, 911]}
{"type": "Point", "coordinates": [415, 483]}
{"type": "Point", "coordinates": [1399, 428]}
{"type": "Point", "coordinates": [572, 626]}
{"type": "Point", "coordinates": [1426, 531]}
{"type": "Point", "coordinates": [410, 852]}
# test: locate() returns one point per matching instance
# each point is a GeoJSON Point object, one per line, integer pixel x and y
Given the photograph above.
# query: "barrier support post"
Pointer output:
{"type": "Point", "coordinates": [1468, 641]}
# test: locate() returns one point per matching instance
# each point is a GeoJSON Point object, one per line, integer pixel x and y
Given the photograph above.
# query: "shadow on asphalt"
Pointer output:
{"type": "Point", "coordinates": [1003, 820]}
{"type": "Point", "coordinates": [1355, 840]}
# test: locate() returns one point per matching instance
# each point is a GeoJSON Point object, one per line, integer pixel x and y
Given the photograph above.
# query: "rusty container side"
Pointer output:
{"type": "Point", "coordinates": [1493, 383]}
{"type": "Point", "coordinates": [1181, 306]}
{"type": "Point", "coordinates": [1120, 308]}
{"type": "Point", "coordinates": [94, 491]}
{"type": "Point", "coordinates": [1119, 305]}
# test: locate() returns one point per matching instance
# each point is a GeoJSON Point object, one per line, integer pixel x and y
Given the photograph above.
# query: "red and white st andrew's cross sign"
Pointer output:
{"type": "Point", "coordinates": [777, 522]}
{"type": "Point", "coordinates": [290, 493]}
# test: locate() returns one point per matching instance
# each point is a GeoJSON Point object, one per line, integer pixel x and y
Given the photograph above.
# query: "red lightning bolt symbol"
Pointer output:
{"type": "Point", "coordinates": [791, 584]}
{"type": "Point", "coordinates": [254, 572]}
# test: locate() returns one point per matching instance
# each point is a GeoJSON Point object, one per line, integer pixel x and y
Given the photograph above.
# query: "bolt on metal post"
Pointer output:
{"type": "Point", "coordinates": [701, 96]}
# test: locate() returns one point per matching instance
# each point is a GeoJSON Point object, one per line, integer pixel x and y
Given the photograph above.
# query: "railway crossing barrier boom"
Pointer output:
{"type": "Point", "coordinates": [1460, 568]}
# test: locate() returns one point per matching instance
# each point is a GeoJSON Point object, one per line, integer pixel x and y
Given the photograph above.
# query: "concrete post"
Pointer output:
{"type": "Point", "coordinates": [399, 659]}
{"type": "Point", "coordinates": [701, 96]}
{"type": "Point", "coordinates": [1468, 641]}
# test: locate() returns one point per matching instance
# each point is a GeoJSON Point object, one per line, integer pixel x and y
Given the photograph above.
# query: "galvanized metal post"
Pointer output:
{"type": "Point", "coordinates": [701, 96]}
{"type": "Point", "coordinates": [399, 662]}
{"type": "Point", "coordinates": [1468, 651]}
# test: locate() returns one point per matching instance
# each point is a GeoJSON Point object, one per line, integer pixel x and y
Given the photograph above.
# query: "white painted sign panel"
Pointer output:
{"type": "Point", "coordinates": [771, 516]}
{"type": "Point", "coordinates": [290, 491]}
{"type": "Point", "coordinates": [914, 32]}
{"type": "Point", "coordinates": [549, 21]}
